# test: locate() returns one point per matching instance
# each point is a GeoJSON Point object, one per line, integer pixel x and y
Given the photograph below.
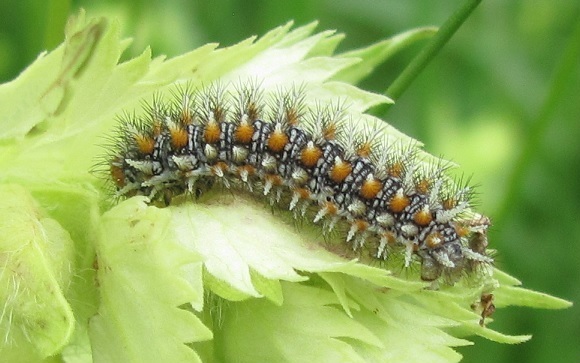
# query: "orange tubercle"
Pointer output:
{"type": "Point", "coordinates": [303, 193]}
{"type": "Point", "coordinates": [330, 208]}
{"type": "Point", "coordinates": [145, 143]}
{"type": "Point", "coordinates": [340, 171]}
{"type": "Point", "coordinates": [244, 133]}
{"type": "Point", "coordinates": [364, 150]}
{"type": "Point", "coordinates": [396, 170]}
{"type": "Point", "coordinates": [212, 132]}
{"type": "Point", "coordinates": [390, 237]}
{"type": "Point", "coordinates": [423, 217]}
{"type": "Point", "coordinates": [248, 169]}
{"type": "Point", "coordinates": [433, 240]}
{"type": "Point", "coordinates": [462, 230]}
{"type": "Point", "coordinates": [118, 175]}
{"type": "Point", "coordinates": [275, 179]}
{"type": "Point", "coordinates": [361, 224]}
{"type": "Point", "coordinates": [178, 137]}
{"type": "Point", "coordinates": [370, 188]}
{"type": "Point", "coordinates": [423, 186]}
{"type": "Point", "coordinates": [219, 168]}
{"type": "Point", "coordinates": [399, 202]}
{"type": "Point", "coordinates": [310, 155]}
{"type": "Point", "coordinates": [449, 203]}
{"type": "Point", "coordinates": [277, 141]}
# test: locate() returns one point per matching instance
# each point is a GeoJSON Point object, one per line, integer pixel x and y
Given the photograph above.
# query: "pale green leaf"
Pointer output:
{"type": "Point", "coordinates": [141, 290]}
{"type": "Point", "coordinates": [508, 295]}
{"type": "Point", "coordinates": [227, 234]}
{"type": "Point", "coordinates": [37, 93]}
{"type": "Point", "coordinates": [36, 261]}
{"type": "Point", "coordinates": [376, 54]}
{"type": "Point", "coordinates": [304, 328]}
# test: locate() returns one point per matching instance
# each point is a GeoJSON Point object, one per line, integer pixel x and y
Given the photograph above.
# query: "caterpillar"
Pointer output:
{"type": "Point", "coordinates": [308, 160]}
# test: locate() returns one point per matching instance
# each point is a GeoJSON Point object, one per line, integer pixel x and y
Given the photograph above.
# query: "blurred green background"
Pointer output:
{"type": "Point", "coordinates": [502, 99]}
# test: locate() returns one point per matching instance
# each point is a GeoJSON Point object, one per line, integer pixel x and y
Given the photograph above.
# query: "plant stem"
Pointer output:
{"type": "Point", "coordinates": [430, 51]}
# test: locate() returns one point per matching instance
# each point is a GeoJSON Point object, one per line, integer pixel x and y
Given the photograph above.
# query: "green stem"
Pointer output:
{"type": "Point", "coordinates": [430, 51]}
{"type": "Point", "coordinates": [561, 80]}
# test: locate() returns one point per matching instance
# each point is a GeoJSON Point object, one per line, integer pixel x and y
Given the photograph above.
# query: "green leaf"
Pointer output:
{"type": "Point", "coordinates": [304, 328]}
{"type": "Point", "coordinates": [233, 247]}
{"type": "Point", "coordinates": [39, 91]}
{"type": "Point", "coordinates": [376, 54]}
{"type": "Point", "coordinates": [142, 289]}
{"type": "Point", "coordinates": [509, 294]}
{"type": "Point", "coordinates": [36, 257]}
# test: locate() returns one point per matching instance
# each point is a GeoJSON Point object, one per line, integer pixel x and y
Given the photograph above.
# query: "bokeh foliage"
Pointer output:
{"type": "Point", "coordinates": [501, 99]}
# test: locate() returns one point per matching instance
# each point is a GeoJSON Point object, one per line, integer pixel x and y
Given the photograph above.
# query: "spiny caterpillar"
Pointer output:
{"type": "Point", "coordinates": [306, 160]}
